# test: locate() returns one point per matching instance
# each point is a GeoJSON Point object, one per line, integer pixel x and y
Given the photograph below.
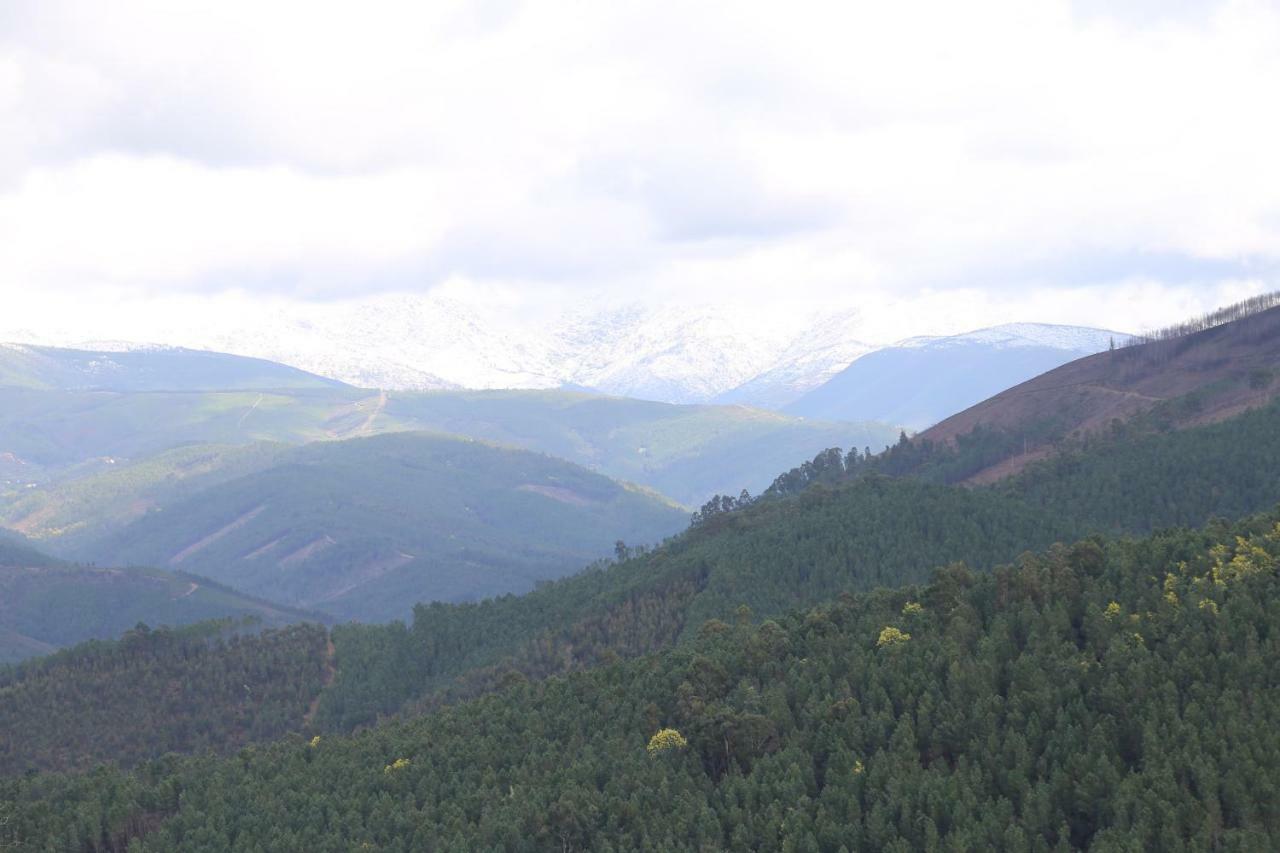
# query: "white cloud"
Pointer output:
{"type": "Point", "coordinates": [989, 156]}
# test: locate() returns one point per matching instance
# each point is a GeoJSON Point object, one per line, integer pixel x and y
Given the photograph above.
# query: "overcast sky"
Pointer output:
{"type": "Point", "coordinates": [1049, 160]}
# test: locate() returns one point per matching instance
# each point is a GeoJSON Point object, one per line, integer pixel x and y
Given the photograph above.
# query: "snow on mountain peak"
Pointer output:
{"type": "Point", "coordinates": [725, 353]}
{"type": "Point", "coordinates": [1070, 338]}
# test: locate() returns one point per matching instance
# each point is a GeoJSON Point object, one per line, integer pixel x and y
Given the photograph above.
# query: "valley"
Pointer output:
{"type": "Point", "coordinates": [775, 631]}
{"type": "Point", "coordinates": [535, 427]}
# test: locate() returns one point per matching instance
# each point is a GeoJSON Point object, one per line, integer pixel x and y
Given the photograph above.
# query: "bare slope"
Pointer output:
{"type": "Point", "coordinates": [1197, 378]}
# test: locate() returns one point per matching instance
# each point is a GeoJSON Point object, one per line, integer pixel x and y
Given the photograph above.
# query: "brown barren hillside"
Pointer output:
{"type": "Point", "coordinates": [1186, 379]}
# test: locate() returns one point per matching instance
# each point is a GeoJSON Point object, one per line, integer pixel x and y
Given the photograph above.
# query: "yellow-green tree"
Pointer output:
{"type": "Point", "coordinates": [666, 739]}
{"type": "Point", "coordinates": [891, 636]}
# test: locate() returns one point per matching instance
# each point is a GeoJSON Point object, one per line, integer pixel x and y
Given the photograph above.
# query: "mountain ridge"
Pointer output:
{"type": "Point", "coordinates": [365, 527]}
{"type": "Point", "coordinates": [919, 381]}
{"type": "Point", "coordinates": [668, 353]}
{"type": "Point", "coordinates": [1197, 378]}
{"type": "Point", "coordinates": [147, 367]}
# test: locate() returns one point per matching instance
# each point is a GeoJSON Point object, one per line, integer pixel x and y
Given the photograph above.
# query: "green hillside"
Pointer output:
{"type": "Point", "coordinates": [1142, 476]}
{"type": "Point", "coordinates": [1137, 476]}
{"type": "Point", "coordinates": [1200, 372]}
{"type": "Point", "coordinates": [46, 604]}
{"type": "Point", "coordinates": [824, 529]}
{"type": "Point", "coordinates": [15, 550]}
{"type": "Point", "coordinates": [364, 528]}
{"type": "Point", "coordinates": [61, 435]}
{"type": "Point", "coordinates": [1104, 695]}
{"type": "Point", "coordinates": [207, 686]}
{"type": "Point", "coordinates": [69, 512]}
{"type": "Point", "coordinates": [1108, 696]}
{"type": "Point", "coordinates": [685, 452]}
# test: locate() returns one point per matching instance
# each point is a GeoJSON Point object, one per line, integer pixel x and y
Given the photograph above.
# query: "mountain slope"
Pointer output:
{"type": "Point", "coordinates": [83, 508]}
{"type": "Point", "coordinates": [829, 346]}
{"type": "Point", "coordinates": [47, 435]}
{"type": "Point", "coordinates": [832, 529]}
{"type": "Point", "coordinates": [1185, 380]}
{"type": "Point", "coordinates": [685, 452]}
{"type": "Point", "coordinates": [212, 686]}
{"type": "Point", "coordinates": [46, 604]}
{"type": "Point", "coordinates": [146, 369]}
{"type": "Point", "coordinates": [920, 381]}
{"type": "Point", "coordinates": [1106, 696]}
{"type": "Point", "coordinates": [731, 351]}
{"type": "Point", "coordinates": [366, 527]}
{"type": "Point", "coordinates": [797, 550]}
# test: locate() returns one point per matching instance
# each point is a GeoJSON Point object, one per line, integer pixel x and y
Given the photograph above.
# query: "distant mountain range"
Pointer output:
{"type": "Point", "coordinates": [145, 368]}
{"type": "Point", "coordinates": [668, 353]}
{"type": "Point", "coordinates": [688, 453]}
{"type": "Point", "coordinates": [920, 381]}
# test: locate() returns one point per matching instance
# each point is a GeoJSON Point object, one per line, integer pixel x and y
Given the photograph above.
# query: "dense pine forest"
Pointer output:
{"type": "Point", "coordinates": [1113, 694]}
{"type": "Point", "coordinates": [842, 529]}
{"type": "Point", "coordinates": [829, 526]}
{"type": "Point", "coordinates": [207, 686]}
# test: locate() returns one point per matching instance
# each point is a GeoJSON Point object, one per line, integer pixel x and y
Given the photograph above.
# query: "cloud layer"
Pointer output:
{"type": "Point", "coordinates": [851, 153]}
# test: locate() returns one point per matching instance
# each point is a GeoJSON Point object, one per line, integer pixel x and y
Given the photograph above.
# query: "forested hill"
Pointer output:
{"type": "Point", "coordinates": [46, 604]}
{"type": "Point", "coordinates": [1200, 372]}
{"type": "Point", "coordinates": [15, 551]}
{"type": "Point", "coordinates": [836, 532]}
{"type": "Point", "coordinates": [216, 685]}
{"type": "Point", "coordinates": [1109, 695]}
{"type": "Point", "coordinates": [785, 552]}
{"type": "Point", "coordinates": [685, 452]}
{"type": "Point", "coordinates": [1134, 477]}
{"type": "Point", "coordinates": [364, 528]}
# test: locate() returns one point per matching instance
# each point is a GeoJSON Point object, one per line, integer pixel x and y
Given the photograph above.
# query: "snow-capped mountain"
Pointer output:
{"type": "Point", "coordinates": [670, 353]}
{"type": "Point", "coordinates": [809, 360]}
{"type": "Point", "coordinates": [113, 366]}
{"type": "Point", "coordinates": [919, 381]}
{"type": "Point", "coordinates": [726, 353]}
{"type": "Point", "coordinates": [1078, 339]}
{"type": "Point", "coordinates": [676, 355]}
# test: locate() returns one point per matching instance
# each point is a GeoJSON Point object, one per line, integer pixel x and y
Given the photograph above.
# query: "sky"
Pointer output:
{"type": "Point", "coordinates": [937, 164]}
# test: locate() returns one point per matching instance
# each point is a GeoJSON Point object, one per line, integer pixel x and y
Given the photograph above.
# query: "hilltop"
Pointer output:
{"type": "Point", "coordinates": [145, 369]}
{"type": "Point", "coordinates": [920, 381]}
{"type": "Point", "coordinates": [1191, 377]}
{"type": "Point", "coordinates": [365, 527]}
{"type": "Point", "coordinates": [686, 452]}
